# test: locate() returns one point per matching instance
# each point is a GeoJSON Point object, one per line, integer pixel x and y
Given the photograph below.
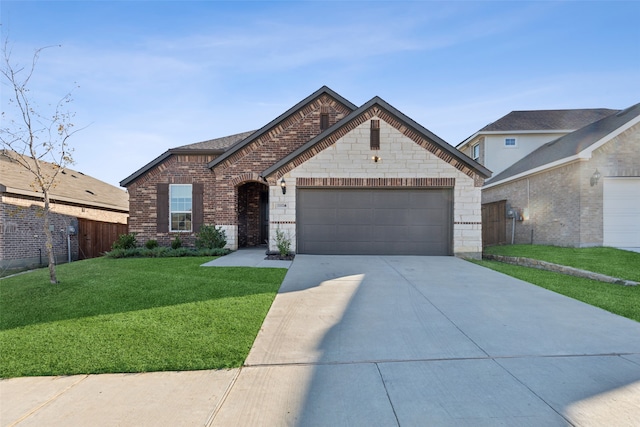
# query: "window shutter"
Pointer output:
{"type": "Point", "coordinates": [162, 208]}
{"type": "Point", "coordinates": [197, 200]}
{"type": "Point", "coordinates": [375, 135]}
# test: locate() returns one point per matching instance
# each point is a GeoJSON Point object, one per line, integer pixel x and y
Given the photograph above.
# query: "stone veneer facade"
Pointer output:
{"type": "Point", "coordinates": [406, 162]}
{"type": "Point", "coordinates": [559, 205]}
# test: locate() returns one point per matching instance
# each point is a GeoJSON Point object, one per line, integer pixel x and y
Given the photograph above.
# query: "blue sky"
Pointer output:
{"type": "Point", "coordinates": [156, 75]}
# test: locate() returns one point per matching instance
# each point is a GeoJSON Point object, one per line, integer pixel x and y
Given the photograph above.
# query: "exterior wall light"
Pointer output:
{"type": "Point", "coordinates": [283, 185]}
{"type": "Point", "coordinates": [595, 177]}
{"type": "Point", "coordinates": [376, 159]}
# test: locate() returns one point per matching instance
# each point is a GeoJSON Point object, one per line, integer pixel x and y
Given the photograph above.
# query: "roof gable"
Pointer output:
{"type": "Point", "coordinates": [280, 121]}
{"type": "Point", "coordinates": [579, 143]}
{"type": "Point", "coordinates": [378, 107]}
{"type": "Point", "coordinates": [212, 146]}
{"type": "Point", "coordinates": [70, 185]}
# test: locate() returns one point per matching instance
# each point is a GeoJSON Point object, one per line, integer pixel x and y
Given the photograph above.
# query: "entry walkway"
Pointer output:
{"type": "Point", "coordinates": [381, 341]}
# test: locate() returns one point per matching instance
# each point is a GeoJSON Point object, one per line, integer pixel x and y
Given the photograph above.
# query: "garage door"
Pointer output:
{"type": "Point", "coordinates": [621, 223]}
{"type": "Point", "coordinates": [375, 221]}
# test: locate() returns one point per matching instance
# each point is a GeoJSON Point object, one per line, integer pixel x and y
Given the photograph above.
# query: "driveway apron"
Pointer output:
{"type": "Point", "coordinates": [414, 341]}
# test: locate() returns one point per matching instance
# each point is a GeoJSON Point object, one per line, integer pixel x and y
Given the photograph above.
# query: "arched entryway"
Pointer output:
{"type": "Point", "coordinates": [253, 214]}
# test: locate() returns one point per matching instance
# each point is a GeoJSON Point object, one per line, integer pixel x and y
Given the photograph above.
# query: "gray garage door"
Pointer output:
{"type": "Point", "coordinates": [375, 221]}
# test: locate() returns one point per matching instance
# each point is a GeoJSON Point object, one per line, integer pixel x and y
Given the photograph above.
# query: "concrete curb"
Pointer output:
{"type": "Point", "coordinates": [557, 268]}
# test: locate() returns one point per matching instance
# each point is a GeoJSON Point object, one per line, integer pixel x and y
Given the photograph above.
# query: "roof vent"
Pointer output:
{"type": "Point", "coordinates": [90, 192]}
{"type": "Point", "coordinates": [73, 176]}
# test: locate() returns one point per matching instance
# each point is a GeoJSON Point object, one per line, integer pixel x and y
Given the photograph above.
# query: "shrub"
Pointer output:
{"type": "Point", "coordinates": [125, 241]}
{"type": "Point", "coordinates": [211, 237]}
{"type": "Point", "coordinates": [150, 244]}
{"type": "Point", "coordinates": [283, 243]}
{"type": "Point", "coordinates": [176, 243]}
{"type": "Point", "coordinates": [164, 252]}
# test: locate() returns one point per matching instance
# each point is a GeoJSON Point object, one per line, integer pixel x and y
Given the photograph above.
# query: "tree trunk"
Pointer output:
{"type": "Point", "coordinates": [49, 242]}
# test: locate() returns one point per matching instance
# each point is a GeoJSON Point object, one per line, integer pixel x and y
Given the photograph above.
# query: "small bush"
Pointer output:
{"type": "Point", "coordinates": [164, 252]}
{"type": "Point", "coordinates": [125, 241]}
{"type": "Point", "coordinates": [211, 237]}
{"type": "Point", "coordinates": [150, 244]}
{"type": "Point", "coordinates": [283, 243]}
{"type": "Point", "coordinates": [176, 243]}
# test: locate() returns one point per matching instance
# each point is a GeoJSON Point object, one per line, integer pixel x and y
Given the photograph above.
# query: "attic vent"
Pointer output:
{"type": "Point", "coordinates": [90, 192]}
{"type": "Point", "coordinates": [374, 141]}
{"type": "Point", "coordinates": [324, 117]}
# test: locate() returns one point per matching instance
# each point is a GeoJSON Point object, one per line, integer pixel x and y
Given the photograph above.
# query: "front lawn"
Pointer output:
{"type": "Point", "coordinates": [610, 261]}
{"type": "Point", "coordinates": [132, 315]}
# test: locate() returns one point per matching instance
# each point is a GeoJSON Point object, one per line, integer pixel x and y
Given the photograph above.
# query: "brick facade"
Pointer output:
{"type": "Point", "coordinates": [559, 205]}
{"type": "Point", "coordinates": [235, 176]}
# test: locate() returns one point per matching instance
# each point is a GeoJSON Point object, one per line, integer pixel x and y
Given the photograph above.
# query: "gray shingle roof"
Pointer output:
{"type": "Point", "coordinates": [71, 186]}
{"type": "Point", "coordinates": [548, 119]}
{"type": "Point", "coordinates": [570, 144]}
{"type": "Point", "coordinates": [217, 144]}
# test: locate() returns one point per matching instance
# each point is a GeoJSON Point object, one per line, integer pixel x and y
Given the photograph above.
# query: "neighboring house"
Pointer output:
{"type": "Point", "coordinates": [579, 190]}
{"type": "Point", "coordinates": [507, 140]}
{"type": "Point", "coordinates": [86, 215]}
{"type": "Point", "coordinates": [333, 177]}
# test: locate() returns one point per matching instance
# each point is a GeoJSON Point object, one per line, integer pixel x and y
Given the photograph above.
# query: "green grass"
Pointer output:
{"type": "Point", "coordinates": [132, 315]}
{"type": "Point", "coordinates": [618, 299]}
{"type": "Point", "coordinates": [610, 261]}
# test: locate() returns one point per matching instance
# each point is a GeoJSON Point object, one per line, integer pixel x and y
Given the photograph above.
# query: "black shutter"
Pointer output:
{"type": "Point", "coordinates": [162, 208]}
{"type": "Point", "coordinates": [374, 142]}
{"type": "Point", "coordinates": [197, 205]}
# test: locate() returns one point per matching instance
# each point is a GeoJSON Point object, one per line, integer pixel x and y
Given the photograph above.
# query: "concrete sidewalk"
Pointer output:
{"type": "Point", "coordinates": [247, 257]}
{"type": "Point", "coordinates": [385, 341]}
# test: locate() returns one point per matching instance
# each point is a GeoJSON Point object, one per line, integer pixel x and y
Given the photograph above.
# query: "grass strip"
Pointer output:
{"type": "Point", "coordinates": [132, 315]}
{"type": "Point", "coordinates": [621, 300]}
{"type": "Point", "coordinates": [604, 260]}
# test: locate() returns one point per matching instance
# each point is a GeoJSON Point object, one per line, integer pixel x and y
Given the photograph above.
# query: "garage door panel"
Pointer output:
{"type": "Point", "coordinates": [355, 216]}
{"type": "Point", "coordinates": [391, 199]}
{"type": "Point", "coordinates": [390, 216]}
{"type": "Point", "coordinates": [354, 200]}
{"type": "Point", "coordinates": [354, 233]}
{"type": "Point", "coordinates": [375, 221]}
{"type": "Point", "coordinates": [321, 233]}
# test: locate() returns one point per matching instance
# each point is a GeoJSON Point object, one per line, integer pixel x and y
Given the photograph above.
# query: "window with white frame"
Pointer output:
{"type": "Point", "coordinates": [509, 142]}
{"type": "Point", "coordinates": [475, 152]}
{"type": "Point", "coordinates": [180, 207]}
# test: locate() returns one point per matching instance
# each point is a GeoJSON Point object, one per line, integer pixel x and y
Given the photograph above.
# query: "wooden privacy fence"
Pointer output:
{"type": "Point", "coordinates": [494, 223]}
{"type": "Point", "coordinates": [96, 237]}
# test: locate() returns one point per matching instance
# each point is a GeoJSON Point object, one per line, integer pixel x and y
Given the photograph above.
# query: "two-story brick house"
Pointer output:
{"type": "Point", "coordinates": [335, 178]}
{"type": "Point", "coordinates": [580, 188]}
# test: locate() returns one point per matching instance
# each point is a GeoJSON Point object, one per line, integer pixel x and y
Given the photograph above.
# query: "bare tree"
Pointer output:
{"type": "Point", "coordinates": [32, 137]}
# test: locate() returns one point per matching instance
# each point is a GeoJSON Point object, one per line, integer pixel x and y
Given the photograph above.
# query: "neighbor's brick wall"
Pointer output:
{"type": "Point", "coordinates": [22, 239]}
{"type": "Point", "coordinates": [619, 157]}
{"type": "Point", "coordinates": [550, 203]}
{"type": "Point", "coordinates": [560, 206]}
{"type": "Point", "coordinates": [350, 157]}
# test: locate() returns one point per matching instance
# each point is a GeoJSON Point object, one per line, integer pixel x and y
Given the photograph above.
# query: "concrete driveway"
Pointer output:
{"type": "Point", "coordinates": [380, 341]}
{"type": "Point", "coordinates": [415, 341]}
